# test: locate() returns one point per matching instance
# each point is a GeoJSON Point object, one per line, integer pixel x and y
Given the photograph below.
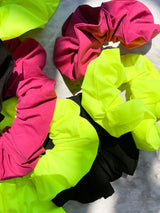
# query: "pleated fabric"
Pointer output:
{"type": "Point", "coordinates": [75, 148]}
{"type": "Point", "coordinates": [88, 28]}
{"type": "Point", "coordinates": [18, 17]}
{"type": "Point", "coordinates": [105, 78]}
{"type": "Point", "coordinates": [21, 144]}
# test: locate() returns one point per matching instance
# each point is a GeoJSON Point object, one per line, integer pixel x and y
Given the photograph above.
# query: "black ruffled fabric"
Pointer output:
{"type": "Point", "coordinates": [6, 68]}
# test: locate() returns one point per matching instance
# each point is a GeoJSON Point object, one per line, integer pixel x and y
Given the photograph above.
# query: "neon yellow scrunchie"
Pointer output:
{"type": "Point", "coordinates": [18, 16]}
{"type": "Point", "coordinates": [101, 88]}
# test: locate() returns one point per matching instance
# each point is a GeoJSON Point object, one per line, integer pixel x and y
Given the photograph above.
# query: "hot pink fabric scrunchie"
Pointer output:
{"type": "Point", "coordinates": [85, 30]}
{"type": "Point", "coordinates": [21, 145]}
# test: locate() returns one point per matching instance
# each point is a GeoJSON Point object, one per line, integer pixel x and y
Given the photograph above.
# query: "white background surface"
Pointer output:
{"type": "Point", "coordinates": [137, 194]}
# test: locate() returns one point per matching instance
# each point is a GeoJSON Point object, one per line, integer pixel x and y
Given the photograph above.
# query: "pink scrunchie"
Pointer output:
{"type": "Point", "coordinates": [21, 144]}
{"type": "Point", "coordinates": [85, 30]}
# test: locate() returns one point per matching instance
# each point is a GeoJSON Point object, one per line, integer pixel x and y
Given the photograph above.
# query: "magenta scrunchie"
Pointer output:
{"type": "Point", "coordinates": [85, 30]}
{"type": "Point", "coordinates": [21, 144]}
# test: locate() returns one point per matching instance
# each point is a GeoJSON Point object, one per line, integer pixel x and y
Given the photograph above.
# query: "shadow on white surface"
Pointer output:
{"type": "Point", "coordinates": [133, 194]}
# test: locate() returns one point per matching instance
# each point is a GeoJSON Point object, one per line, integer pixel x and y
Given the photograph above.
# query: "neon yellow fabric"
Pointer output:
{"type": "Point", "coordinates": [18, 16]}
{"type": "Point", "coordinates": [76, 144]}
{"type": "Point", "coordinates": [144, 84]}
{"type": "Point", "coordinates": [9, 111]}
{"type": "Point", "coordinates": [101, 88]}
{"type": "Point", "coordinates": [143, 80]}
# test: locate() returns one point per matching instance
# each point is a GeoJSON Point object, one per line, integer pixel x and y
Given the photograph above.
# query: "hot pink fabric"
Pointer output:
{"type": "Point", "coordinates": [21, 145]}
{"type": "Point", "coordinates": [85, 30]}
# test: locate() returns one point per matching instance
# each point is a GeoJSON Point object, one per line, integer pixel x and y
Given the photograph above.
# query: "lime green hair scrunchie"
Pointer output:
{"type": "Point", "coordinates": [18, 16]}
{"type": "Point", "coordinates": [76, 145]}
{"type": "Point", "coordinates": [105, 77]}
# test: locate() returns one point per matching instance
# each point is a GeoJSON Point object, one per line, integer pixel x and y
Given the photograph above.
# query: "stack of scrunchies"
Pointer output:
{"type": "Point", "coordinates": [30, 115]}
{"type": "Point", "coordinates": [115, 155]}
{"type": "Point", "coordinates": [76, 55]}
{"type": "Point", "coordinates": [55, 150]}
{"type": "Point", "coordinates": [133, 123]}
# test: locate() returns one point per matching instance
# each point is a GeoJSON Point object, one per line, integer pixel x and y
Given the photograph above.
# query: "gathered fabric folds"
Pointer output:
{"type": "Point", "coordinates": [144, 84]}
{"type": "Point", "coordinates": [21, 144]}
{"type": "Point", "coordinates": [105, 78]}
{"type": "Point", "coordinates": [18, 16]}
{"type": "Point", "coordinates": [6, 68]}
{"type": "Point", "coordinates": [75, 148]}
{"type": "Point", "coordinates": [115, 156]}
{"type": "Point", "coordinates": [88, 28]}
